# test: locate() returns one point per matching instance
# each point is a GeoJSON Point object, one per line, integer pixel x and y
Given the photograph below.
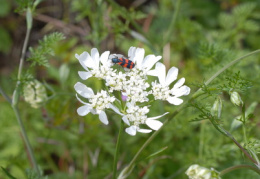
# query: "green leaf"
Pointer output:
{"type": "Point", "coordinates": [7, 173]}
{"type": "Point", "coordinates": [46, 47]}
{"type": "Point", "coordinates": [157, 152]}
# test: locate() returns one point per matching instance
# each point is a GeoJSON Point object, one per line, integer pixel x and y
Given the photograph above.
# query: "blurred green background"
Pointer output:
{"type": "Point", "coordinates": [202, 38]}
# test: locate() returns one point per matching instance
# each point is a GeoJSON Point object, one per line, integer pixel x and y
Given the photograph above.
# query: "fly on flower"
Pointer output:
{"type": "Point", "coordinates": [124, 62]}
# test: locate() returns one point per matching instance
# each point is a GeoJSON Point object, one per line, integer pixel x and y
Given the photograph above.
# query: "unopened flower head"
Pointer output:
{"type": "Point", "coordinates": [34, 93]}
{"type": "Point", "coordinates": [198, 172]}
{"type": "Point", "coordinates": [128, 77]}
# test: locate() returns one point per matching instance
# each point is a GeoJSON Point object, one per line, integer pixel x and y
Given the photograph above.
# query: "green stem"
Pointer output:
{"type": "Point", "coordinates": [230, 169]}
{"type": "Point", "coordinates": [230, 64]}
{"type": "Point", "coordinates": [25, 138]}
{"type": "Point", "coordinates": [173, 21]}
{"type": "Point", "coordinates": [16, 95]}
{"type": "Point", "coordinates": [117, 149]}
{"type": "Point", "coordinates": [8, 99]}
{"type": "Point", "coordinates": [244, 123]}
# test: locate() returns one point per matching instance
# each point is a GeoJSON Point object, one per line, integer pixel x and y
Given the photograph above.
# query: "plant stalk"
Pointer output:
{"type": "Point", "coordinates": [119, 137]}
{"type": "Point", "coordinates": [230, 169]}
{"type": "Point", "coordinates": [16, 96]}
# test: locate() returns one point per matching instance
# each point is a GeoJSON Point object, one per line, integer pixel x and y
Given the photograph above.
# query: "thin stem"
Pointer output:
{"type": "Point", "coordinates": [25, 44]}
{"type": "Point", "coordinates": [8, 99]}
{"type": "Point", "coordinates": [241, 148]}
{"type": "Point", "coordinates": [230, 64]}
{"type": "Point", "coordinates": [117, 149]}
{"type": "Point", "coordinates": [25, 137]}
{"type": "Point", "coordinates": [230, 169]}
{"type": "Point", "coordinates": [16, 95]}
{"type": "Point", "coordinates": [171, 27]}
{"type": "Point", "coordinates": [129, 167]}
{"type": "Point", "coordinates": [244, 123]}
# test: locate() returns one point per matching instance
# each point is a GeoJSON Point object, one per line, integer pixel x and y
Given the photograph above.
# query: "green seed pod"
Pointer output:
{"type": "Point", "coordinates": [34, 93]}
{"type": "Point", "coordinates": [217, 108]}
{"type": "Point", "coordinates": [235, 98]}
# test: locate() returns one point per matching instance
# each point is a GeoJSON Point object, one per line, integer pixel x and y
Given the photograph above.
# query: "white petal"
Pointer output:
{"type": "Point", "coordinates": [182, 91]}
{"type": "Point", "coordinates": [131, 130]}
{"type": "Point", "coordinates": [144, 130]}
{"type": "Point", "coordinates": [174, 100]}
{"type": "Point", "coordinates": [171, 75]}
{"type": "Point", "coordinates": [179, 83]}
{"type": "Point", "coordinates": [80, 99]}
{"type": "Point", "coordinates": [82, 59]}
{"type": "Point", "coordinates": [95, 57]}
{"type": "Point", "coordinates": [157, 117]}
{"type": "Point", "coordinates": [149, 61]}
{"type": "Point", "coordinates": [154, 72]}
{"type": "Point", "coordinates": [131, 52]}
{"type": "Point", "coordinates": [83, 110]}
{"type": "Point", "coordinates": [161, 72]}
{"type": "Point", "coordinates": [115, 109]}
{"type": "Point", "coordinates": [139, 56]}
{"type": "Point", "coordinates": [154, 124]}
{"type": "Point", "coordinates": [125, 119]}
{"type": "Point", "coordinates": [84, 75]}
{"type": "Point", "coordinates": [103, 117]}
{"type": "Point", "coordinates": [104, 57]}
{"type": "Point", "coordinates": [83, 90]}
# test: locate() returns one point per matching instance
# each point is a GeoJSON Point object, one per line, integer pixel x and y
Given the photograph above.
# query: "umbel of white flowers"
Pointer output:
{"type": "Point", "coordinates": [133, 85]}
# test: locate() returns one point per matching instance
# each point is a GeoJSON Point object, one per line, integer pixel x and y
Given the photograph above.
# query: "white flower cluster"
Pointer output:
{"type": "Point", "coordinates": [198, 172]}
{"type": "Point", "coordinates": [133, 85]}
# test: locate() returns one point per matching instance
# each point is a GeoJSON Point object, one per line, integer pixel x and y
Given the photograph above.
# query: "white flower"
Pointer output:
{"type": "Point", "coordinates": [91, 63]}
{"type": "Point", "coordinates": [97, 103]}
{"type": "Point", "coordinates": [142, 63]}
{"type": "Point", "coordinates": [197, 172]}
{"type": "Point", "coordinates": [136, 116]}
{"type": "Point", "coordinates": [162, 90]}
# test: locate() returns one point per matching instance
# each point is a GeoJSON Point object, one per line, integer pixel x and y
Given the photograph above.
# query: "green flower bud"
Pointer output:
{"type": "Point", "coordinates": [217, 108]}
{"type": "Point", "coordinates": [235, 98]}
{"type": "Point", "coordinates": [34, 93]}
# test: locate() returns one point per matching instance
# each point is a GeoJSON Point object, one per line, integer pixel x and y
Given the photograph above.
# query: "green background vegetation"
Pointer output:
{"type": "Point", "coordinates": [202, 38]}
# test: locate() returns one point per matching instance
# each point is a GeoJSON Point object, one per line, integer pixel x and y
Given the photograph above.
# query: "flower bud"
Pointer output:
{"type": "Point", "coordinates": [217, 108]}
{"type": "Point", "coordinates": [195, 171]}
{"type": "Point", "coordinates": [34, 93]}
{"type": "Point", "coordinates": [235, 98]}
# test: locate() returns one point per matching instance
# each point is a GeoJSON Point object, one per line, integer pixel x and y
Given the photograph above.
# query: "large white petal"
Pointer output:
{"type": "Point", "coordinates": [131, 52]}
{"type": "Point", "coordinates": [174, 100]}
{"type": "Point", "coordinates": [161, 72]}
{"type": "Point", "coordinates": [149, 61]}
{"type": "Point", "coordinates": [139, 56]}
{"type": "Point", "coordinates": [83, 110]}
{"type": "Point", "coordinates": [179, 83]}
{"type": "Point", "coordinates": [157, 117]}
{"type": "Point", "coordinates": [154, 124]}
{"type": "Point", "coordinates": [103, 117]}
{"type": "Point", "coordinates": [83, 59]}
{"type": "Point", "coordinates": [182, 91]}
{"type": "Point", "coordinates": [171, 75]}
{"type": "Point", "coordinates": [154, 72]}
{"type": "Point", "coordinates": [125, 119]}
{"type": "Point", "coordinates": [95, 57]}
{"type": "Point", "coordinates": [114, 108]}
{"type": "Point", "coordinates": [83, 90]}
{"type": "Point", "coordinates": [144, 130]}
{"type": "Point", "coordinates": [80, 99]}
{"type": "Point", "coordinates": [104, 58]}
{"type": "Point", "coordinates": [131, 130]}
{"type": "Point", "coordinates": [84, 75]}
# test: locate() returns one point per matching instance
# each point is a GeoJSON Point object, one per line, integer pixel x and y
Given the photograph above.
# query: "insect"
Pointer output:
{"type": "Point", "coordinates": [124, 62]}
